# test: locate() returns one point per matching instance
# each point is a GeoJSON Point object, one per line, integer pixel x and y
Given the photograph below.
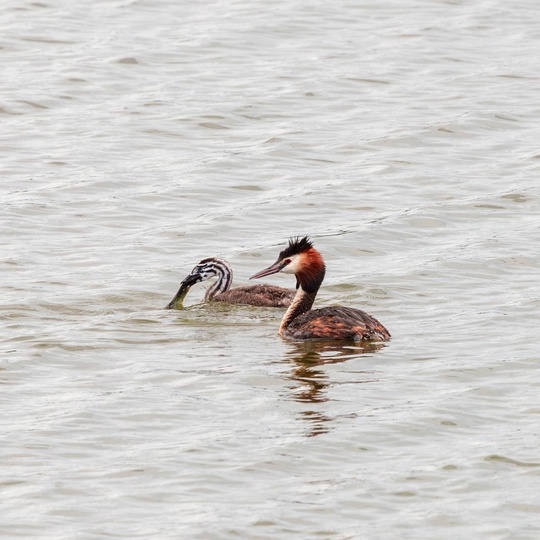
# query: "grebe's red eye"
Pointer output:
{"type": "Point", "coordinates": [287, 261]}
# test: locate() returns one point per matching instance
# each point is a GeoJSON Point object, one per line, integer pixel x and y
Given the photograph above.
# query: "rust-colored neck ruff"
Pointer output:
{"type": "Point", "coordinates": [310, 275]}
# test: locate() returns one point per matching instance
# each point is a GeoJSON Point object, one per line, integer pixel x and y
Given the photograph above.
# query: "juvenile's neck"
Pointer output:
{"type": "Point", "coordinates": [222, 284]}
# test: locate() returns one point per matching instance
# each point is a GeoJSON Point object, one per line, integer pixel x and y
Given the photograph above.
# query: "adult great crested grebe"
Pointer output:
{"type": "Point", "coordinates": [220, 291]}
{"type": "Point", "coordinates": [300, 321]}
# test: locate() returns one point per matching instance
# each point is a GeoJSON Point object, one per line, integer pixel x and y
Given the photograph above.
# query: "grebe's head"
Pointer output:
{"type": "Point", "coordinates": [301, 259]}
{"type": "Point", "coordinates": [206, 269]}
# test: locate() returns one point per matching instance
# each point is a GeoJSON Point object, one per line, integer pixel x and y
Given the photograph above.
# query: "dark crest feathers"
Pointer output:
{"type": "Point", "coordinates": [296, 245]}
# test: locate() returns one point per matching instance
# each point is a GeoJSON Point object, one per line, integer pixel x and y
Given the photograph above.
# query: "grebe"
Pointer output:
{"type": "Point", "coordinates": [300, 321]}
{"type": "Point", "coordinates": [220, 291]}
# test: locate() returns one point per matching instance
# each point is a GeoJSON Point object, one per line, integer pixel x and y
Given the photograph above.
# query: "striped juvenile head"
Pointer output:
{"type": "Point", "coordinates": [207, 269]}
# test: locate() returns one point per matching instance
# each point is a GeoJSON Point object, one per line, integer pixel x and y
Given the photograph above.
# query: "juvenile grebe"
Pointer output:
{"type": "Point", "coordinates": [220, 291]}
{"type": "Point", "coordinates": [300, 321]}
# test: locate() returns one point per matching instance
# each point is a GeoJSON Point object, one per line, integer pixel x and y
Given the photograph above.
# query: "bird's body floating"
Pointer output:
{"type": "Point", "coordinates": [220, 291]}
{"type": "Point", "coordinates": [300, 321]}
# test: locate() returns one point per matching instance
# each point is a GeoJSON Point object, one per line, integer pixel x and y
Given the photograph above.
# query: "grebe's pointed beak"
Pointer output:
{"type": "Point", "coordinates": [190, 280]}
{"type": "Point", "coordinates": [274, 269]}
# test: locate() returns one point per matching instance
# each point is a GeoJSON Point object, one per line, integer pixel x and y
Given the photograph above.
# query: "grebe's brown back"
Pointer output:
{"type": "Point", "coordinates": [300, 321]}
{"type": "Point", "coordinates": [220, 291]}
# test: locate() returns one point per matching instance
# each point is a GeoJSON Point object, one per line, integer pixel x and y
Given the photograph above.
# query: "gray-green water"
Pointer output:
{"type": "Point", "coordinates": [141, 136]}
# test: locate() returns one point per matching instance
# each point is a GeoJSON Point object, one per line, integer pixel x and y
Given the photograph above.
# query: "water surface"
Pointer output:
{"type": "Point", "coordinates": [139, 137]}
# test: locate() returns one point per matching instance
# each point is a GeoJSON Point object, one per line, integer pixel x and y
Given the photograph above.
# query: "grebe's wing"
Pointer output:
{"type": "Point", "coordinates": [339, 323]}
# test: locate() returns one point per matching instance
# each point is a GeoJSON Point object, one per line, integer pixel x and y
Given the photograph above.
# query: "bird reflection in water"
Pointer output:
{"type": "Point", "coordinates": [311, 379]}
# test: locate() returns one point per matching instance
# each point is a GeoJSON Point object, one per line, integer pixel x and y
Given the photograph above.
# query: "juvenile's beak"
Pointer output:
{"type": "Point", "coordinates": [190, 280]}
{"type": "Point", "coordinates": [274, 269]}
